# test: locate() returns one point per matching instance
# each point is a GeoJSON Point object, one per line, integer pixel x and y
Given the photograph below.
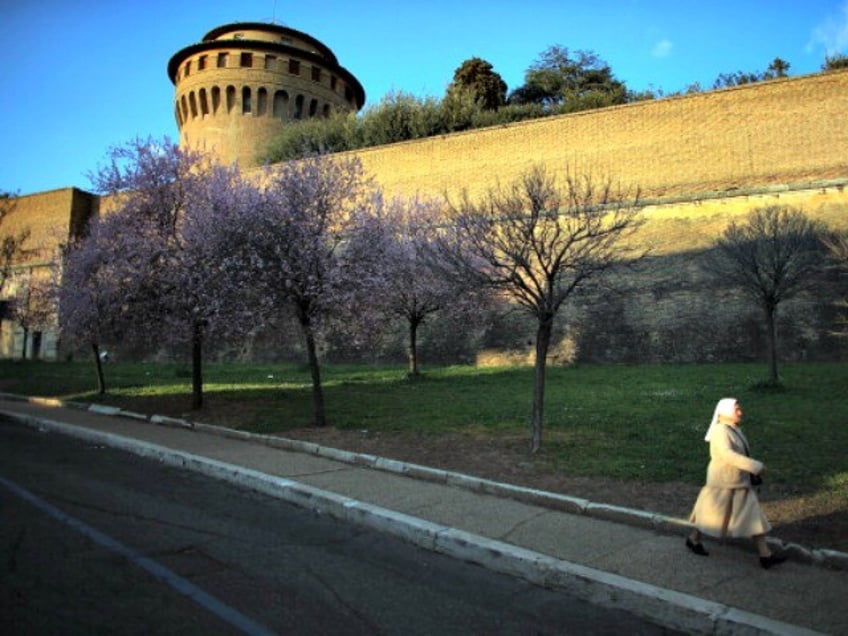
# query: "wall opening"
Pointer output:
{"type": "Point", "coordinates": [246, 102]}
{"type": "Point", "coordinates": [204, 103]}
{"type": "Point", "coordinates": [216, 99]}
{"type": "Point", "coordinates": [281, 104]}
{"type": "Point", "coordinates": [261, 102]}
{"type": "Point", "coordinates": [231, 98]}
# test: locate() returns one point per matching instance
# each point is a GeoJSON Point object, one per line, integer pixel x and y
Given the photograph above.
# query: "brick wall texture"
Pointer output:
{"type": "Point", "coordinates": [784, 131]}
{"type": "Point", "coordinates": [50, 218]}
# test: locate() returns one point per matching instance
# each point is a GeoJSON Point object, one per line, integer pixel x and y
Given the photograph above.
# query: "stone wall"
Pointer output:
{"type": "Point", "coordinates": [700, 160]}
{"type": "Point", "coordinates": [785, 131]}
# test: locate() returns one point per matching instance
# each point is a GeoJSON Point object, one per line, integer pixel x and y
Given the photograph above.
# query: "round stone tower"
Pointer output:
{"type": "Point", "coordinates": [244, 81]}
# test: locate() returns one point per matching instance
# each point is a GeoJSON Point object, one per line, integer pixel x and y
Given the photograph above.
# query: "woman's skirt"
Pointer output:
{"type": "Point", "coordinates": [725, 512]}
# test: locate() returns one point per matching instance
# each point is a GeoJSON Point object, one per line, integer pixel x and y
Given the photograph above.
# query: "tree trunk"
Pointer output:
{"type": "Point", "coordinates": [771, 325]}
{"type": "Point", "coordinates": [197, 368]}
{"type": "Point", "coordinates": [98, 365]}
{"type": "Point", "coordinates": [24, 348]}
{"type": "Point", "coordinates": [413, 348]}
{"type": "Point", "coordinates": [543, 342]}
{"type": "Point", "coordinates": [315, 369]}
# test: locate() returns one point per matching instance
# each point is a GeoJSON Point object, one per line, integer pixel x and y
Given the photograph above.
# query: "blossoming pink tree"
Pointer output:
{"type": "Point", "coordinates": [90, 295]}
{"type": "Point", "coordinates": [417, 283]}
{"type": "Point", "coordinates": [153, 272]}
{"type": "Point", "coordinates": [311, 249]}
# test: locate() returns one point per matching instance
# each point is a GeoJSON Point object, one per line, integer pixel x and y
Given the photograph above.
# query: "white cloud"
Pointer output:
{"type": "Point", "coordinates": [662, 48]}
{"type": "Point", "coordinates": [832, 34]}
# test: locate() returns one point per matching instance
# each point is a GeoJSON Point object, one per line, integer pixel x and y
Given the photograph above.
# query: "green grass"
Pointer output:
{"type": "Point", "coordinates": [633, 422]}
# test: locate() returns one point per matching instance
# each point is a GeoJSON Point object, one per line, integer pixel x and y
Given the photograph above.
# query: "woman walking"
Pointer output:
{"type": "Point", "coordinates": [727, 505]}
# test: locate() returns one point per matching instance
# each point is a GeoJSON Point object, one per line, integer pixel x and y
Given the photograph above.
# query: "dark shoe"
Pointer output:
{"type": "Point", "coordinates": [772, 559]}
{"type": "Point", "coordinates": [698, 548]}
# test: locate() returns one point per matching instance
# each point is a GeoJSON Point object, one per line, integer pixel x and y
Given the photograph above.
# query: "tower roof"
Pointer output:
{"type": "Point", "coordinates": [280, 31]}
{"type": "Point", "coordinates": [317, 52]}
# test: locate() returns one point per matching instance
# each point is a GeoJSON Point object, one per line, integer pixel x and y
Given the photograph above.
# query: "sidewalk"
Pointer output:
{"type": "Point", "coordinates": [612, 556]}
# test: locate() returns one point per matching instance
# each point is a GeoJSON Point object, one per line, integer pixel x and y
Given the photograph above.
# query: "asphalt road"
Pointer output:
{"type": "Point", "coordinates": [97, 541]}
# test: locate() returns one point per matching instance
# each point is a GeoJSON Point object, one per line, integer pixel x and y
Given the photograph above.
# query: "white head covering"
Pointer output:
{"type": "Point", "coordinates": [725, 407]}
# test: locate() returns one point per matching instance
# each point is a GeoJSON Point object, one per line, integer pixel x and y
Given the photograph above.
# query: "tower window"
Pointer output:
{"type": "Point", "coordinates": [261, 101]}
{"type": "Point", "coordinates": [204, 103]}
{"type": "Point", "coordinates": [222, 60]}
{"type": "Point", "coordinates": [333, 81]}
{"type": "Point", "coordinates": [247, 60]}
{"type": "Point", "coordinates": [316, 74]}
{"type": "Point", "coordinates": [270, 62]}
{"type": "Point", "coordinates": [192, 101]}
{"type": "Point", "coordinates": [246, 103]}
{"type": "Point", "coordinates": [187, 71]}
{"type": "Point", "coordinates": [294, 67]}
{"type": "Point", "coordinates": [281, 104]}
{"type": "Point", "coordinates": [313, 107]}
{"type": "Point", "coordinates": [216, 99]}
{"type": "Point", "coordinates": [201, 63]}
{"type": "Point", "coordinates": [298, 107]}
{"type": "Point", "coordinates": [231, 98]}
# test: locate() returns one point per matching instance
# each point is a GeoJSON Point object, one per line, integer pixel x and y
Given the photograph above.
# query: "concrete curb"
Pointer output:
{"type": "Point", "coordinates": [669, 608]}
{"type": "Point", "coordinates": [644, 519]}
{"type": "Point", "coordinates": [555, 501]}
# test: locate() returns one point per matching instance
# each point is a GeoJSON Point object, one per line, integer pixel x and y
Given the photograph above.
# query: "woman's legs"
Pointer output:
{"type": "Point", "coordinates": [762, 546]}
{"type": "Point", "coordinates": [767, 559]}
{"type": "Point", "coordinates": [693, 542]}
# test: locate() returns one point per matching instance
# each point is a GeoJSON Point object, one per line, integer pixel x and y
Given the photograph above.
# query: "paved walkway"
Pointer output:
{"type": "Point", "coordinates": [612, 556]}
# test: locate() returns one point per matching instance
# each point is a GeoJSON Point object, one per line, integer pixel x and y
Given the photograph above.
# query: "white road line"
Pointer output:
{"type": "Point", "coordinates": [157, 570]}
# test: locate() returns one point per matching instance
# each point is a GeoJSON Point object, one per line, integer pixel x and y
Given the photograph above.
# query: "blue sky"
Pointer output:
{"type": "Point", "coordinates": [83, 75]}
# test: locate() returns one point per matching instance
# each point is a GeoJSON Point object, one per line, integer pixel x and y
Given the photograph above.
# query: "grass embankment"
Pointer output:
{"type": "Point", "coordinates": [627, 422]}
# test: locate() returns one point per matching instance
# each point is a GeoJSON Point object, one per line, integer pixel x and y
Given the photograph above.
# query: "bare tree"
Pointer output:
{"type": "Point", "coordinates": [539, 241]}
{"type": "Point", "coordinates": [771, 257]}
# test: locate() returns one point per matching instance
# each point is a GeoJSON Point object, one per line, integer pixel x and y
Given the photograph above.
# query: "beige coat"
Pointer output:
{"type": "Point", "coordinates": [727, 505]}
{"type": "Point", "coordinates": [730, 466]}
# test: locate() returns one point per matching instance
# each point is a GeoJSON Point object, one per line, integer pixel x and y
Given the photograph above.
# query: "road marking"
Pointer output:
{"type": "Point", "coordinates": [157, 570]}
